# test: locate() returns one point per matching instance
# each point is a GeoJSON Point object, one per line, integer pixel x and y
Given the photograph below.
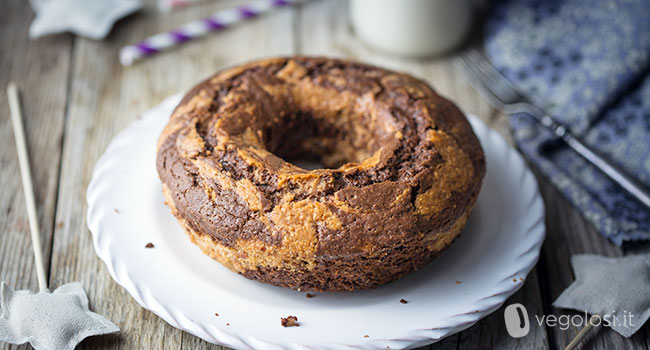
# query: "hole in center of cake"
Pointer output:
{"type": "Point", "coordinates": [313, 141]}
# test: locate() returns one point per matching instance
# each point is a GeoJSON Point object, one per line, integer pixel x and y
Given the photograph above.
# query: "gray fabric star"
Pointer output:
{"type": "Point", "coordinates": [91, 19]}
{"type": "Point", "coordinates": [49, 321]}
{"type": "Point", "coordinates": [617, 289]}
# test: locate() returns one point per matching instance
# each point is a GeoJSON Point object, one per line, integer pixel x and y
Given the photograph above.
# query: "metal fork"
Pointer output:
{"type": "Point", "coordinates": [504, 96]}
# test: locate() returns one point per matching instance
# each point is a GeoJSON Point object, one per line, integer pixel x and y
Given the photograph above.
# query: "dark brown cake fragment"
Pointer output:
{"type": "Point", "coordinates": [402, 171]}
{"type": "Point", "coordinates": [289, 321]}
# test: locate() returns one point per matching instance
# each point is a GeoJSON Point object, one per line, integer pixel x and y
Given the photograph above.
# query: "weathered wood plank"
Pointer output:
{"type": "Point", "coordinates": [569, 234]}
{"type": "Point", "coordinates": [104, 98]}
{"type": "Point", "coordinates": [40, 69]}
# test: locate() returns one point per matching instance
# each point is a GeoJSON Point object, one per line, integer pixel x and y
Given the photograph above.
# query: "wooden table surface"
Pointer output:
{"type": "Point", "coordinates": [76, 97]}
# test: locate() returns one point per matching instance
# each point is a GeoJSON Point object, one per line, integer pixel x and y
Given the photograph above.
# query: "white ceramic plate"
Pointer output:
{"type": "Point", "coordinates": [175, 280]}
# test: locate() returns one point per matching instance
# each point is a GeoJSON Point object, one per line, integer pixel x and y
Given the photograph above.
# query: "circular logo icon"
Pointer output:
{"type": "Point", "coordinates": [517, 322]}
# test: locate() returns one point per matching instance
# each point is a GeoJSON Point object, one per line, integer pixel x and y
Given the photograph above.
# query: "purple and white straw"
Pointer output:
{"type": "Point", "coordinates": [218, 21]}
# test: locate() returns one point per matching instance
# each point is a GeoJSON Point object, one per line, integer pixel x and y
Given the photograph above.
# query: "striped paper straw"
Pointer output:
{"type": "Point", "coordinates": [196, 29]}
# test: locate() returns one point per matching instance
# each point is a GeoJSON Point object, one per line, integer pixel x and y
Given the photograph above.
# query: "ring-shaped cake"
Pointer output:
{"type": "Point", "coordinates": [401, 172]}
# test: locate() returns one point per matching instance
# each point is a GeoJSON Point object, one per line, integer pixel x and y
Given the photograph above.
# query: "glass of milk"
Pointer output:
{"type": "Point", "coordinates": [412, 27]}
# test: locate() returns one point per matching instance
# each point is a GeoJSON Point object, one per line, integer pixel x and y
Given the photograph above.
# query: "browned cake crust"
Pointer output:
{"type": "Point", "coordinates": [403, 172]}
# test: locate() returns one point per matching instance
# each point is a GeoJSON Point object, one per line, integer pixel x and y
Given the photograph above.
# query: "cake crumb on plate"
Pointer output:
{"type": "Point", "coordinates": [289, 321]}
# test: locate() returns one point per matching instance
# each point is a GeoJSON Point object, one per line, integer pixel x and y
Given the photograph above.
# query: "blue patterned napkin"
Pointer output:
{"type": "Point", "coordinates": [586, 63]}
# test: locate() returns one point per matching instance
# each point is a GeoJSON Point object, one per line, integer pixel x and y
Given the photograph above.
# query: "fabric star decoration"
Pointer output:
{"type": "Point", "coordinates": [49, 321]}
{"type": "Point", "coordinates": [91, 19]}
{"type": "Point", "coordinates": [617, 289]}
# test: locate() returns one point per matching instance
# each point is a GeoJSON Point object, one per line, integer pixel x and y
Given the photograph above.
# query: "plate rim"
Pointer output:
{"type": "Point", "coordinates": [119, 271]}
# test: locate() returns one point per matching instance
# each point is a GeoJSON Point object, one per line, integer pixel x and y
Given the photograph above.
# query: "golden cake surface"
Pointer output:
{"type": "Point", "coordinates": [403, 170]}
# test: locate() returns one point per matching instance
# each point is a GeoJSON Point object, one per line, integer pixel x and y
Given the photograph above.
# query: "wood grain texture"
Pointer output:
{"type": "Point", "coordinates": [77, 93]}
{"type": "Point", "coordinates": [40, 69]}
{"type": "Point", "coordinates": [569, 234]}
